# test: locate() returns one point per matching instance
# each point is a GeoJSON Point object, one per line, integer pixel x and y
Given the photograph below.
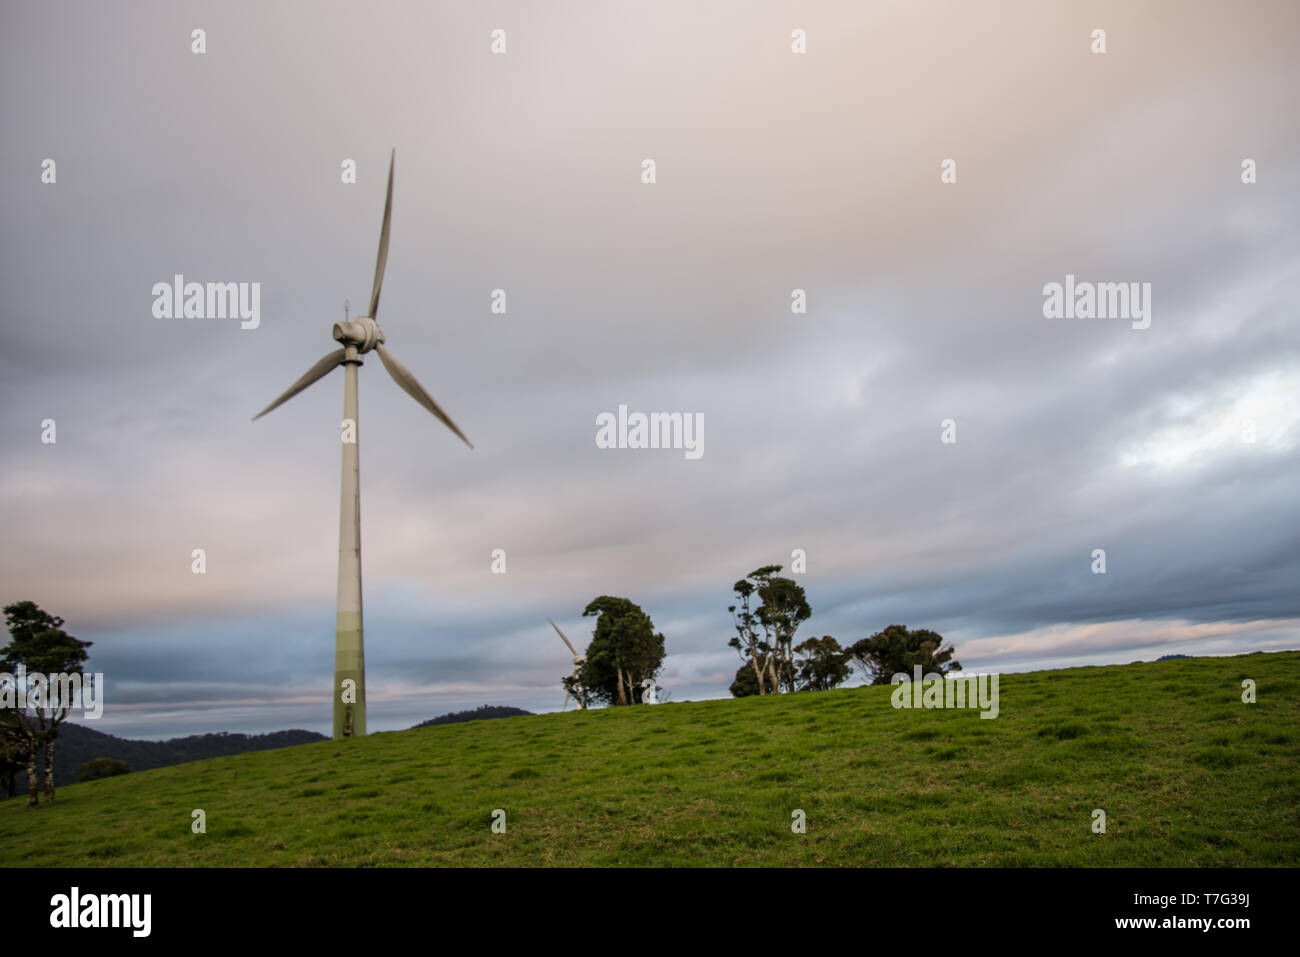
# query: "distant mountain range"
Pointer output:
{"type": "Point", "coordinates": [78, 744]}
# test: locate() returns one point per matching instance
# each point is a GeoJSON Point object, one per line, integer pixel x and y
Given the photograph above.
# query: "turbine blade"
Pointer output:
{"type": "Point", "coordinates": [382, 261]}
{"type": "Point", "coordinates": [565, 706]}
{"type": "Point", "coordinates": [562, 638]}
{"type": "Point", "coordinates": [402, 376]}
{"type": "Point", "coordinates": [311, 375]}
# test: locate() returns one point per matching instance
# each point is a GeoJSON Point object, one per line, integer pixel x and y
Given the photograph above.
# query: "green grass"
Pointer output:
{"type": "Point", "coordinates": [1187, 774]}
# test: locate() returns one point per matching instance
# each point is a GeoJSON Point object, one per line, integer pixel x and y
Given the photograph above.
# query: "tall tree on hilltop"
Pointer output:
{"type": "Point", "coordinates": [749, 639]}
{"type": "Point", "coordinates": [765, 634]}
{"type": "Point", "coordinates": [785, 607]}
{"type": "Point", "coordinates": [896, 650]}
{"type": "Point", "coordinates": [625, 650]}
{"type": "Point", "coordinates": [46, 653]}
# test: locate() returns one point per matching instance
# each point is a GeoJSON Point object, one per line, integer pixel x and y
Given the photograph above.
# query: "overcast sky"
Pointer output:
{"type": "Point", "coordinates": [775, 171]}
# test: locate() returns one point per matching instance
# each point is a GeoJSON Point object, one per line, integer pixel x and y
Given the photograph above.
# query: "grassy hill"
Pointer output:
{"type": "Point", "coordinates": [1186, 773]}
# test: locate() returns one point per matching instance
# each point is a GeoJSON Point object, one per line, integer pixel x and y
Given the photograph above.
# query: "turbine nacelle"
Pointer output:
{"type": "Point", "coordinates": [362, 332]}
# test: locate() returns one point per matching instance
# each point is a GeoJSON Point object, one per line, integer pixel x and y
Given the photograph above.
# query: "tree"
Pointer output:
{"type": "Point", "coordinates": [97, 768]}
{"type": "Point", "coordinates": [625, 650]}
{"type": "Point", "coordinates": [749, 639]}
{"type": "Point", "coordinates": [43, 650]}
{"type": "Point", "coordinates": [14, 749]}
{"type": "Point", "coordinates": [896, 650]}
{"type": "Point", "coordinates": [822, 664]}
{"type": "Point", "coordinates": [784, 608]}
{"type": "Point", "coordinates": [765, 634]}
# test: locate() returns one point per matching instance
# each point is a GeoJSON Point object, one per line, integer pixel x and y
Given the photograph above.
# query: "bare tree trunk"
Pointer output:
{"type": "Point", "coordinates": [49, 768]}
{"type": "Point", "coordinates": [758, 674]}
{"type": "Point", "coordinates": [33, 791]}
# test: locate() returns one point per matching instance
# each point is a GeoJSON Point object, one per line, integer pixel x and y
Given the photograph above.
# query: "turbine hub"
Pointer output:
{"type": "Point", "coordinates": [362, 332]}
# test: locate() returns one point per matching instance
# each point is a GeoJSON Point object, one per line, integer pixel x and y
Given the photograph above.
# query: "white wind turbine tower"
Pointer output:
{"type": "Point", "coordinates": [577, 666]}
{"type": "Point", "coordinates": [358, 337]}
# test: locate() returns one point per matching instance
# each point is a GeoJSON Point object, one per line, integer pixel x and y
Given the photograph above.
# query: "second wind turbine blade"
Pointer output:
{"type": "Point", "coordinates": [382, 261]}
{"type": "Point", "coordinates": [563, 638]}
{"type": "Point", "coordinates": [402, 376]}
{"type": "Point", "coordinates": [325, 365]}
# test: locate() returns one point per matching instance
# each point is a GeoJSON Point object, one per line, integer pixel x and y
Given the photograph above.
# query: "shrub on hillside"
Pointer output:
{"type": "Point", "coordinates": [102, 768]}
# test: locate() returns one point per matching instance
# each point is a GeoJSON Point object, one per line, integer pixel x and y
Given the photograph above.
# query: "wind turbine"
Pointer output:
{"type": "Point", "coordinates": [577, 667]}
{"type": "Point", "coordinates": [358, 336]}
